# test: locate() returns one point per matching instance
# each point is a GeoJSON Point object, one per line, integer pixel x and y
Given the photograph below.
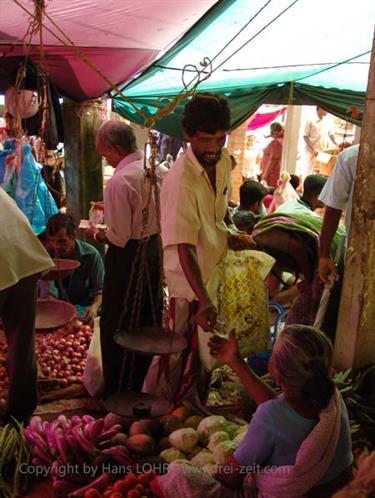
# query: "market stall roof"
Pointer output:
{"type": "Point", "coordinates": [120, 37]}
{"type": "Point", "coordinates": [297, 51]}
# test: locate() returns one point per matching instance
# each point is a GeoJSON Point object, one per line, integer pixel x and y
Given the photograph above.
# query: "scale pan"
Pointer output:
{"type": "Point", "coordinates": [63, 268]}
{"type": "Point", "coordinates": [53, 313]}
{"type": "Point", "coordinates": [151, 341]}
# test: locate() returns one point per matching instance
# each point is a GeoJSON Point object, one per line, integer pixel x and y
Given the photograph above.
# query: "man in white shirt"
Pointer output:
{"type": "Point", "coordinates": [126, 198]}
{"type": "Point", "coordinates": [22, 259]}
{"type": "Point", "coordinates": [337, 195]}
{"type": "Point", "coordinates": [251, 160]}
{"type": "Point", "coordinates": [194, 204]}
{"type": "Point", "coordinates": [317, 138]}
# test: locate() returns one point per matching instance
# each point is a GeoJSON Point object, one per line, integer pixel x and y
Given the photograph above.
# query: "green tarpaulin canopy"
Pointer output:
{"type": "Point", "coordinates": [264, 51]}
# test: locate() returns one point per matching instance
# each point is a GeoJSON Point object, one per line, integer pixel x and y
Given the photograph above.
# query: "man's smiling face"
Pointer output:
{"type": "Point", "coordinates": [207, 147]}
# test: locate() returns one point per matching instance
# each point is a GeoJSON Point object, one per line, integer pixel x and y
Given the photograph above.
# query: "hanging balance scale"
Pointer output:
{"type": "Point", "coordinates": [53, 313]}
{"type": "Point", "coordinates": [143, 340]}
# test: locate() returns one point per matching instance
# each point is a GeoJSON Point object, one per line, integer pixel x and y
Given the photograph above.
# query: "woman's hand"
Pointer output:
{"type": "Point", "coordinates": [225, 350]}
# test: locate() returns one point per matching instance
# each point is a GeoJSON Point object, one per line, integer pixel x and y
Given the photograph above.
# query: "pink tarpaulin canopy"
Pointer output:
{"type": "Point", "coordinates": [261, 119]}
{"type": "Point", "coordinates": [119, 37]}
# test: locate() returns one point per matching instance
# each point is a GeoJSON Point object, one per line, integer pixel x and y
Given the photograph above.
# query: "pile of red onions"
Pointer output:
{"type": "Point", "coordinates": [3, 373]}
{"type": "Point", "coordinates": [62, 354]}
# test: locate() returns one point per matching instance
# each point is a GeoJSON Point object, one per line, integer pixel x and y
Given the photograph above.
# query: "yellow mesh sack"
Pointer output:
{"type": "Point", "coordinates": [242, 298]}
{"type": "Point", "coordinates": [237, 289]}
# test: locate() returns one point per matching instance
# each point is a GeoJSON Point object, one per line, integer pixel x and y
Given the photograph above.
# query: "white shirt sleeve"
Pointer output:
{"type": "Point", "coordinates": [336, 192]}
{"type": "Point", "coordinates": [307, 131]}
{"type": "Point", "coordinates": [118, 213]}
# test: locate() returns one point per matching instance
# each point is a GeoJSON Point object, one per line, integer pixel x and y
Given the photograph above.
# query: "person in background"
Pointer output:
{"type": "Point", "coordinates": [168, 145]}
{"type": "Point", "coordinates": [295, 182]}
{"type": "Point", "coordinates": [244, 220]}
{"type": "Point", "coordinates": [312, 187]}
{"type": "Point", "coordinates": [84, 286]}
{"type": "Point", "coordinates": [337, 196]}
{"type": "Point", "coordinates": [292, 236]}
{"type": "Point", "coordinates": [317, 138]}
{"type": "Point", "coordinates": [126, 198]}
{"type": "Point", "coordinates": [194, 207]}
{"type": "Point", "coordinates": [282, 286]}
{"type": "Point", "coordinates": [303, 434]}
{"type": "Point", "coordinates": [252, 194]}
{"type": "Point", "coordinates": [251, 207]}
{"type": "Point", "coordinates": [22, 260]}
{"type": "Point", "coordinates": [271, 161]}
{"type": "Point", "coordinates": [251, 160]}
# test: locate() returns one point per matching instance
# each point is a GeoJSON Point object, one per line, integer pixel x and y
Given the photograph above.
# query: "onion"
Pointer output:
{"type": "Point", "coordinates": [62, 354]}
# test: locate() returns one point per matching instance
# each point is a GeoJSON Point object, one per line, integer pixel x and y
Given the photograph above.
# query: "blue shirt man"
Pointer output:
{"type": "Point", "coordinates": [83, 287]}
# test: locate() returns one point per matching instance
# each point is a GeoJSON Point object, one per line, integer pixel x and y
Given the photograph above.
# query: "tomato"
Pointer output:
{"type": "Point", "coordinates": [131, 480]}
{"type": "Point", "coordinates": [144, 479]}
{"type": "Point", "coordinates": [150, 474]}
{"type": "Point", "coordinates": [133, 493]}
{"type": "Point", "coordinates": [92, 493]}
{"type": "Point", "coordinates": [116, 495]}
{"type": "Point", "coordinates": [107, 493]}
{"type": "Point", "coordinates": [140, 488]}
{"type": "Point", "coordinates": [121, 487]}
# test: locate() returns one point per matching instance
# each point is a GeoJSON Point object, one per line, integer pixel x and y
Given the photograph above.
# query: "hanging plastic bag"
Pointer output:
{"type": "Point", "coordinates": [32, 194]}
{"type": "Point", "coordinates": [238, 290]}
{"type": "Point", "coordinates": [92, 377]}
{"type": "Point", "coordinates": [284, 192]}
{"type": "Point", "coordinates": [3, 156]}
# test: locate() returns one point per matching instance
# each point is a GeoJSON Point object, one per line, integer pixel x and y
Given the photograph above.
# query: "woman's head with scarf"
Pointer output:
{"type": "Point", "coordinates": [301, 365]}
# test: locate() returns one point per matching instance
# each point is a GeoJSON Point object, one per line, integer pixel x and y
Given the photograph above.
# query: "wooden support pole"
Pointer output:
{"type": "Point", "coordinates": [355, 337]}
{"type": "Point", "coordinates": [83, 165]}
{"type": "Point", "coordinates": [291, 135]}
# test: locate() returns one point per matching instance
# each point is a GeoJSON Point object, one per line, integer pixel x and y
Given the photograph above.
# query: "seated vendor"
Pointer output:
{"type": "Point", "coordinates": [291, 234]}
{"type": "Point", "coordinates": [312, 187]}
{"type": "Point", "coordinates": [83, 287]}
{"type": "Point", "coordinates": [303, 435]}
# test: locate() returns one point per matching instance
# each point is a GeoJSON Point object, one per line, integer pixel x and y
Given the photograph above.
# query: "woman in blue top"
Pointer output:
{"type": "Point", "coordinates": [301, 439]}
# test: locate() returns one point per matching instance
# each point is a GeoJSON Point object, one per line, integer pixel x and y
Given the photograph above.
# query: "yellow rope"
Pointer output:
{"type": "Point", "coordinates": [39, 10]}
{"type": "Point", "coordinates": [149, 121]}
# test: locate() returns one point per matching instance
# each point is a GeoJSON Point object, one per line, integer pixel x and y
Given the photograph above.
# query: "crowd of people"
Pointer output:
{"type": "Point", "coordinates": [305, 430]}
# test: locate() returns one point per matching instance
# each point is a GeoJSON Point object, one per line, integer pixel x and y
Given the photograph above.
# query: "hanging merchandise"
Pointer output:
{"type": "Point", "coordinates": [8, 167]}
{"type": "Point", "coordinates": [32, 195]}
{"type": "Point", "coordinates": [284, 192]}
{"type": "Point", "coordinates": [51, 129]}
{"type": "Point", "coordinates": [22, 104]}
{"type": "Point", "coordinates": [9, 145]}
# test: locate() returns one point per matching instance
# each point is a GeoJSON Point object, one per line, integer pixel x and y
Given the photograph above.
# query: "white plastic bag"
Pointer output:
{"type": "Point", "coordinates": [284, 192]}
{"type": "Point", "coordinates": [92, 377]}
